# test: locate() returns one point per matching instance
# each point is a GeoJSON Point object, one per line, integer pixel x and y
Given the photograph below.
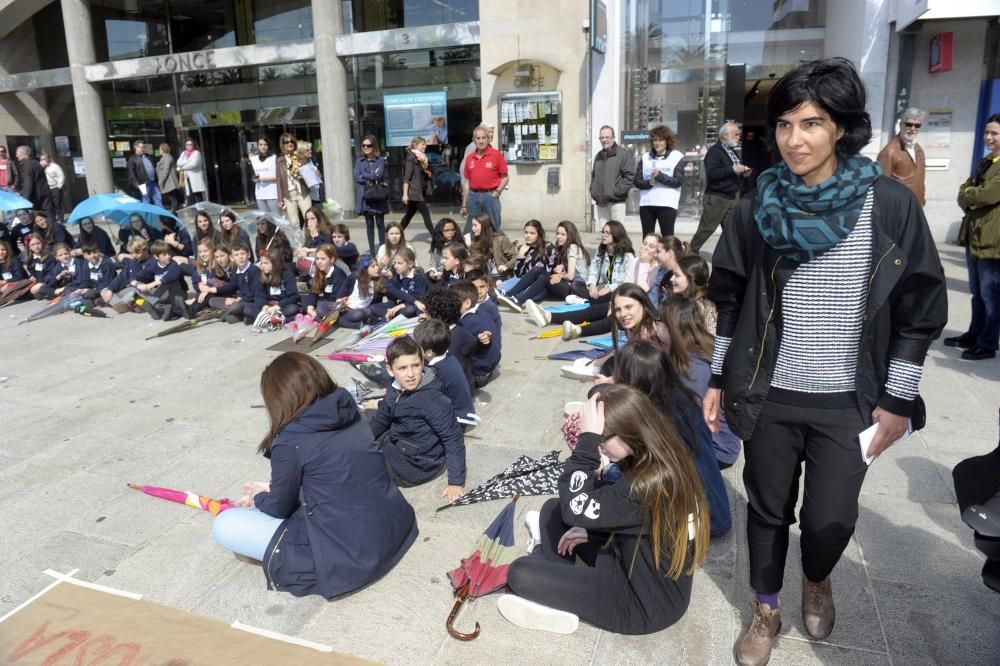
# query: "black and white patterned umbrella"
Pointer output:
{"type": "Point", "coordinates": [525, 476]}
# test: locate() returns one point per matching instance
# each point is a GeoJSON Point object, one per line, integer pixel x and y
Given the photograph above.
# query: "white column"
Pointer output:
{"type": "Point", "coordinates": [331, 88]}
{"type": "Point", "coordinates": [87, 99]}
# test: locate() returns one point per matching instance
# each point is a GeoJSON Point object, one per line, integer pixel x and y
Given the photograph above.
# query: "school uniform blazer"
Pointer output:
{"type": "Point", "coordinates": [223, 285]}
{"type": "Point", "coordinates": [40, 268]}
{"type": "Point", "coordinates": [289, 291]}
{"type": "Point", "coordinates": [52, 279]}
{"type": "Point", "coordinates": [338, 285]}
{"type": "Point", "coordinates": [125, 234]}
{"type": "Point", "coordinates": [100, 238]}
{"type": "Point", "coordinates": [407, 289]}
{"type": "Point", "coordinates": [130, 270]}
{"type": "Point", "coordinates": [321, 239]}
{"type": "Point", "coordinates": [345, 522]}
{"type": "Point", "coordinates": [94, 277]}
{"type": "Point", "coordinates": [15, 272]}
{"type": "Point", "coordinates": [485, 358]}
{"type": "Point", "coordinates": [61, 235]}
{"type": "Point", "coordinates": [418, 433]}
{"type": "Point", "coordinates": [455, 384]}
{"type": "Point", "coordinates": [348, 253]}
{"type": "Point", "coordinates": [184, 238]}
{"type": "Point", "coordinates": [165, 274]}
{"type": "Point", "coordinates": [463, 345]}
{"type": "Point", "coordinates": [248, 286]}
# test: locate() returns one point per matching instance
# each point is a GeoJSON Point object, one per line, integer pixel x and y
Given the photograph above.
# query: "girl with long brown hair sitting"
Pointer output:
{"type": "Point", "coordinates": [640, 538]}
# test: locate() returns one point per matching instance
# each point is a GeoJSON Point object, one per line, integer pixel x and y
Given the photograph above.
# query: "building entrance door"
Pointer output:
{"type": "Point", "coordinates": [225, 164]}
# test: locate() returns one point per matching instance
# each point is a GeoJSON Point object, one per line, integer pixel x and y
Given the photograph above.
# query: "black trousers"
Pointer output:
{"type": "Point", "coordinates": [649, 216]}
{"type": "Point", "coordinates": [826, 440]}
{"type": "Point", "coordinates": [411, 208]}
{"type": "Point", "coordinates": [373, 220]}
{"type": "Point", "coordinates": [548, 578]}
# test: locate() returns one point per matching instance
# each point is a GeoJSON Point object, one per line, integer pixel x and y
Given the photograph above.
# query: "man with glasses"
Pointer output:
{"type": "Point", "coordinates": [724, 172]}
{"type": "Point", "coordinates": [611, 177]}
{"type": "Point", "coordinates": [903, 158]}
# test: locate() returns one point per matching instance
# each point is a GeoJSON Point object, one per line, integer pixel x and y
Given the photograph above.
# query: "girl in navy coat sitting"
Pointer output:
{"type": "Point", "coordinates": [327, 284]}
{"type": "Point", "coordinates": [137, 228]}
{"type": "Point", "coordinates": [54, 233]}
{"type": "Point", "coordinates": [231, 234]}
{"type": "Point", "coordinates": [278, 286]}
{"type": "Point", "coordinates": [91, 234]}
{"type": "Point", "coordinates": [11, 268]}
{"type": "Point", "coordinates": [64, 272]}
{"type": "Point", "coordinates": [406, 288]}
{"type": "Point", "coordinates": [330, 520]}
{"type": "Point", "coordinates": [38, 263]}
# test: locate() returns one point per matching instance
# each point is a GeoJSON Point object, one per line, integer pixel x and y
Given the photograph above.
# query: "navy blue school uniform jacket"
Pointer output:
{"type": "Point", "coordinates": [462, 347]}
{"type": "Point", "coordinates": [166, 275]}
{"type": "Point", "coordinates": [345, 522]}
{"type": "Point", "coordinates": [39, 268]}
{"type": "Point", "coordinates": [248, 286]}
{"type": "Point", "coordinates": [125, 234]}
{"type": "Point", "coordinates": [418, 433]}
{"type": "Point", "coordinates": [485, 358]}
{"type": "Point", "coordinates": [287, 293]}
{"type": "Point", "coordinates": [321, 239]}
{"type": "Point", "coordinates": [55, 278]}
{"type": "Point", "coordinates": [407, 289]}
{"type": "Point", "coordinates": [338, 285]}
{"type": "Point", "coordinates": [20, 232]}
{"type": "Point", "coordinates": [95, 277]}
{"type": "Point", "coordinates": [456, 384]}
{"type": "Point", "coordinates": [348, 253]}
{"type": "Point", "coordinates": [13, 272]}
{"type": "Point", "coordinates": [98, 237]}
{"type": "Point", "coordinates": [130, 270]}
{"type": "Point", "coordinates": [61, 235]}
{"type": "Point", "coordinates": [184, 238]}
{"type": "Point", "coordinates": [222, 281]}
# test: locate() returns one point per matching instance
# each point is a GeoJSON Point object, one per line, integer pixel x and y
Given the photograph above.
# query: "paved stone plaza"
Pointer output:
{"type": "Point", "coordinates": [88, 405]}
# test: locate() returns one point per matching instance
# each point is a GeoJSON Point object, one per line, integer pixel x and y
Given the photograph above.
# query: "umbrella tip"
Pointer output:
{"type": "Point", "coordinates": [134, 486]}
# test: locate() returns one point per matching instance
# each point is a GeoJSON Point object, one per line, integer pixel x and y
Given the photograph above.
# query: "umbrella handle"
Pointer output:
{"type": "Point", "coordinates": [463, 596]}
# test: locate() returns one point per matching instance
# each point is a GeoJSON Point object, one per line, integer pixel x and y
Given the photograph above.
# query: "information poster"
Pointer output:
{"type": "Point", "coordinates": [529, 127]}
{"type": "Point", "coordinates": [416, 114]}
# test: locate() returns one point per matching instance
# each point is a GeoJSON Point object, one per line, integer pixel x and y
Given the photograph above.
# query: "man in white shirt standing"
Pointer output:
{"type": "Point", "coordinates": [57, 179]}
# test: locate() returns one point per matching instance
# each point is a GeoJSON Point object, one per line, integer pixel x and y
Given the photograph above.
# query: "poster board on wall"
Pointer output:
{"type": "Point", "coordinates": [416, 114]}
{"type": "Point", "coordinates": [530, 127]}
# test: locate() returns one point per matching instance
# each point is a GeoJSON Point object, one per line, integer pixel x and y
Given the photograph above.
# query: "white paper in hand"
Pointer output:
{"type": "Point", "coordinates": [143, 188]}
{"type": "Point", "coordinates": [866, 436]}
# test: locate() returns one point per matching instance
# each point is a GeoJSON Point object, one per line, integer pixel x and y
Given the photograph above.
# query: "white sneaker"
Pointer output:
{"type": "Point", "coordinates": [573, 299]}
{"type": "Point", "coordinates": [537, 314]}
{"type": "Point", "coordinates": [534, 533]}
{"type": "Point", "coordinates": [509, 302]}
{"type": "Point", "coordinates": [530, 615]}
{"type": "Point", "coordinates": [571, 331]}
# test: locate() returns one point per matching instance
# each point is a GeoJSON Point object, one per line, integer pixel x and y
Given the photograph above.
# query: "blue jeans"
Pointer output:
{"type": "Point", "coordinates": [984, 283]}
{"type": "Point", "coordinates": [483, 202]}
{"type": "Point", "coordinates": [246, 532]}
{"type": "Point", "coordinates": [152, 194]}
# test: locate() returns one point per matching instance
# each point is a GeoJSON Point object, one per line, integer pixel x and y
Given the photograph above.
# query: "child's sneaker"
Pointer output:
{"type": "Point", "coordinates": [571, 331]}
{"type": "Point", "coordinates": [510, 302]}
{"type": "Point", "coordinates": [530, 615]}
{"type": "Point", "coordinates": [573, 299]}
{"type": "Point", "coordinates": [537, 314]}
{"type": "Point", "coordinates": [534, 533]}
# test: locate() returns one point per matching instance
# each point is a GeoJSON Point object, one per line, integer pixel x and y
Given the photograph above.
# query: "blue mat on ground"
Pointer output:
{"type": "Point", "coordinates": [566, 307]}
{"type": "Point", "coordinates": [579, 353]}
{"type": "Point", "coordinates": [605, 342]}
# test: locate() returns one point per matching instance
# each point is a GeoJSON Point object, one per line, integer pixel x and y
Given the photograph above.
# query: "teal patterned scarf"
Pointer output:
{"type": "Point", "coordinates": [803, 221]}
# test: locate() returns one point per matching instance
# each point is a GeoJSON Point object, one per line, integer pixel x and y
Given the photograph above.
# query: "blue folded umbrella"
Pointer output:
{"type": "Point", "coordinates": [117, 208]}
{"type": "Point", "coordinates": [13, 201]}
{"type": "Point", "coordinates": [606, 341]}
{"type": "Point", "coordinates": [578, 353]}
{"type": "Point", "coordinates": [567, 307]}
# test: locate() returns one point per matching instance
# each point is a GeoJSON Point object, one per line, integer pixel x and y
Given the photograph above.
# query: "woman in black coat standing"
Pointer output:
{"type": "Point", "coordinates": [330, 520]}
{"type": "Point", "coordinates": [416, 173]}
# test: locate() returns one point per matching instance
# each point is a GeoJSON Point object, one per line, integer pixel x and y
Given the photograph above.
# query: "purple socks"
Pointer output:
{"type": "Point", "coordinates": [770, 599]}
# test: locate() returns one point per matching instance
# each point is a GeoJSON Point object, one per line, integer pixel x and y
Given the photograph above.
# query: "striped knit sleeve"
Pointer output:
{"type": "Point", "coordinates": [903, 380]}
{"type": "Point", "coordinates": [719, 355]}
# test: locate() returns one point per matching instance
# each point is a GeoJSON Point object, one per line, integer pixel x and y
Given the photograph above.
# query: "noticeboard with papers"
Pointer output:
{"type": "Point", "coordinates": [529, 128]}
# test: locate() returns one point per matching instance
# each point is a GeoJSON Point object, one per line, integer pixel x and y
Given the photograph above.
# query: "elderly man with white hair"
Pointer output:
{"type": "Point", "coordinates": [903, 158]}
{"type": "Point", "coordinates": [34, 186]}
{"type": "Point", "coordinates": [723, 171]}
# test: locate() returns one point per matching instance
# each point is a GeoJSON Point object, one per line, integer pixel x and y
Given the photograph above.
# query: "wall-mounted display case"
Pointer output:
{"type": "Point", "coordinates": [530, 127]}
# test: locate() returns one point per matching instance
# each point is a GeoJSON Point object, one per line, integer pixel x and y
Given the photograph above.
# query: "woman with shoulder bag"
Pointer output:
{"type": "Point", "coordinates": [416, 174]}
{"type": "Point", "coordinates": [373, 193]}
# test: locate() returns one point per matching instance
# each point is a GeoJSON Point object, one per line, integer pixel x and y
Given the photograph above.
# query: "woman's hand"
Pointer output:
{"type": "Point", "coordinates": [523, 250]}
{"type": "Point", "coordinates": [371, 404]}
{"type": "Point", "coordinates": [890, 428]}
{"type": "Point", "coordinates": [592, 416]}
{"type": "Point", "coordinates": [502, 269]}
{"type": "Point", "coordinates": [603, 379]}
{"type": "Point", "coordinates": [485, 337]}
{"type": "Point", "coordinates": [592, 290]}
{"type": "Point", "coordinates": [452, 493]}
{"type": "Point", "coordinates": [603, 290]}
{"type": "Point", "coordinates": [251, 488]}
{"type": "Point", "coordinates": [573, 537]}
{"type": "Point", "coordinates": [710, 406]}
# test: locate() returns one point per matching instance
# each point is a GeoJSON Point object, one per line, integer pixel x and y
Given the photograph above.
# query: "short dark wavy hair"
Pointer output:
{"type": "Point", "coordinates": [834, 85]}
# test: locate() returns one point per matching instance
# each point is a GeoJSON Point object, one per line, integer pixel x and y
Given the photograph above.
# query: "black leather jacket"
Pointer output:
{"type": "Point", "coordinates": [906, 309]}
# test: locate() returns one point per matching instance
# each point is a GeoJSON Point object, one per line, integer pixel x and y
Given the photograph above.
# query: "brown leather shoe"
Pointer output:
{"type": "Point", "coordinates": [818, 612]}
{"type": "Point", "coordinates": [754, 649]}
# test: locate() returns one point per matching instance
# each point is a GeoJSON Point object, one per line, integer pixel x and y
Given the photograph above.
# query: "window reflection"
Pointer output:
{"type": "Point", "coordinates": [371, 15]}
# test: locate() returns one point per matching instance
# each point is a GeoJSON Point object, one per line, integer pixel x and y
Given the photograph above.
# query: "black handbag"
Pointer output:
{"type": "Point", "coordinates": [376, 193]}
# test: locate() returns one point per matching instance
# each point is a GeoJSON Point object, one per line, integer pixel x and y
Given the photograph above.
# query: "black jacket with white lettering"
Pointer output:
{"type": "Point", "coordinates": [616, 521]}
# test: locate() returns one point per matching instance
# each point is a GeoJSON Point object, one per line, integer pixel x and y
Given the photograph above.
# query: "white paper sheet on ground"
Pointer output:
{"type": "Point", "coordinates": [866, 436]}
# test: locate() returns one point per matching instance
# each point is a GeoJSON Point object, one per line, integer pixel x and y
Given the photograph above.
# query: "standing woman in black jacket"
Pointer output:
{"type": "Point", "coordinates": [416, 177]}
{"type": "Point", "coordinates": [640, 538]}
{"type": "Point", "coordinates": [330, 520]}
{"type": "Point", "coordinates": [829, 292]}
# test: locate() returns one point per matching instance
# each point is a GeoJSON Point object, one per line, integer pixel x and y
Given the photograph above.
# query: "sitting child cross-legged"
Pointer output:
{"type": "Point", "coordinates": [415, 423]}
{"type": "Point", "coordinates": [434, 338]}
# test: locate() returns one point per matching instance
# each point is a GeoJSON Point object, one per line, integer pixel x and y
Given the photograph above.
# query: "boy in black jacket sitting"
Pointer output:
{"type": "Point", "coordinates": [415, 424]}
{"type": "Point", "coordinates": [434, 338]}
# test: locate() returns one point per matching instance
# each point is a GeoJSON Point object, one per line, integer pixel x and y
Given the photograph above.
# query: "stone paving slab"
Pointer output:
{"type": "Point", "coordinates": [88, 405]}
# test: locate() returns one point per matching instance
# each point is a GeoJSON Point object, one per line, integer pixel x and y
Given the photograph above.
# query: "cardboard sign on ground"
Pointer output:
{"type": "Point", "coordinates": [69, 624]}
